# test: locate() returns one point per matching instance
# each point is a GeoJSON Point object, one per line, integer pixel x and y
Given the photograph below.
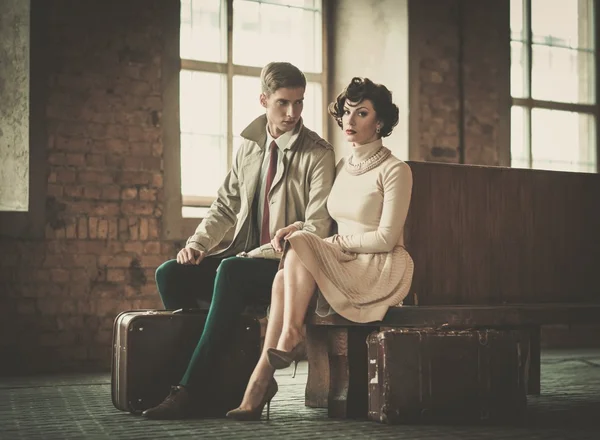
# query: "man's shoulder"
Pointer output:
{"type": "Point", "coordinates": [312, 139]}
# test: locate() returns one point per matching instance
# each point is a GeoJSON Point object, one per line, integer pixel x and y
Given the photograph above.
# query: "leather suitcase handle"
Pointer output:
{"type": "Point", "coordinates": [190, 310]}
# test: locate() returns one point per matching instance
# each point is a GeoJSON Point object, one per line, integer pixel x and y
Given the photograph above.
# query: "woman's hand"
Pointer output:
{"type": "Point", "coordinates": [190, 256]}
{"type": "Point", "coordinates": [282, 234]}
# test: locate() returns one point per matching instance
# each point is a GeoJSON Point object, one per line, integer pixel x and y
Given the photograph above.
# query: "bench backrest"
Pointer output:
{"type": "Point", "coordinates": [490, 235]}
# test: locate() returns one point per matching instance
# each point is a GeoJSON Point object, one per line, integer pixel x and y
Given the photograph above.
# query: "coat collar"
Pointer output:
{"type": "Point", "coordinates": [256, 131]}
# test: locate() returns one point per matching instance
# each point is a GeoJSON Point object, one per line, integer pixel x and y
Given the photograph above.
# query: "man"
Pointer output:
{"type": "Point", "coordinates": [282, 174]}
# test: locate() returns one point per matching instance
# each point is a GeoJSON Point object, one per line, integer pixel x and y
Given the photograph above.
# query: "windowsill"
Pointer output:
{"type": "Point", "coordinates": [194, 211]}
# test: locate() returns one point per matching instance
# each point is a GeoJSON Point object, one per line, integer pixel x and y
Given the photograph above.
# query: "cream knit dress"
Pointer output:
{"type": "Point", "coordinates": [364, 269]}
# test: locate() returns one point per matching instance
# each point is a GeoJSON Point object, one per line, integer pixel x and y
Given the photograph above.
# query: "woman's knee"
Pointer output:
{"type": "Point", "coordinates": [278, 283]}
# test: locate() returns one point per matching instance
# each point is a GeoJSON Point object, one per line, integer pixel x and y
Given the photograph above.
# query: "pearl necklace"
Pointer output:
{"type": "Point", "coordinates": [368, 164]}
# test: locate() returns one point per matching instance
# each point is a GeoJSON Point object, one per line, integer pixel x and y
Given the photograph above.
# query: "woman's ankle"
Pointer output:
{"type": "Point", "coordinates": [289, 339]}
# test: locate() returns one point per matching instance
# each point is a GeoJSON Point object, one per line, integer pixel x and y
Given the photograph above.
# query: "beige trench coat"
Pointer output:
{"type": "Point", "coordinates": [298, 193]}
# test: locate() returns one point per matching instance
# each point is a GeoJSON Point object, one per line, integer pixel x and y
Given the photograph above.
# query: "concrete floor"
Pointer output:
{"type": "Point", "coordinates": [79, 407]}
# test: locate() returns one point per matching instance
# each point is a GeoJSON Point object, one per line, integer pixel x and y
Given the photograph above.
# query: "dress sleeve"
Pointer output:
{"type": "Point", "coordinates": [396, 183]}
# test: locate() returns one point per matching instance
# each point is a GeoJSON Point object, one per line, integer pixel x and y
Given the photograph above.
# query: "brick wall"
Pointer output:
{"type": "Point", "coordinates": [104, 201]}
{"type": "Point", "coordinates": [459, 60]}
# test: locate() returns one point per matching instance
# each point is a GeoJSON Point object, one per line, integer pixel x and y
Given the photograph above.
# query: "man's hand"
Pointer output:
{"type": "Point", "coordinates": [190, 256]}
{"type": "Point", "coordinates": [280, 235]}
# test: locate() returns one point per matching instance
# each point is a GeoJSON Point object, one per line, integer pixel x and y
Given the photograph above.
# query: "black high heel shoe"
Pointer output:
{"type": "Point", "coordinates": [255, 414]}
{"type": "Point", "coordinates": [280, 359]}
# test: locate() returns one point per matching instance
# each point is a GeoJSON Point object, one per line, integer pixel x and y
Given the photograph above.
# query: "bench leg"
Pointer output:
{"type": "Point", "coordinates": [348, 363]}
{"type": "Point", "coordinates": [533, 383]}
{"type": "Point", "coordinates": [317, 384]}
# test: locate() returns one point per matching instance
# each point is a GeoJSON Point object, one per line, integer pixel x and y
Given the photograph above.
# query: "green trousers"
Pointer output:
{"type": "Point", "coordinates": [230, 284]}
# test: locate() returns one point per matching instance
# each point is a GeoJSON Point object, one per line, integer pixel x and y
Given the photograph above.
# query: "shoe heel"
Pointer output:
{"type": "Point", "coordinates": [295, 367]}
{"type": "Point", "coordinates": [268, 409]}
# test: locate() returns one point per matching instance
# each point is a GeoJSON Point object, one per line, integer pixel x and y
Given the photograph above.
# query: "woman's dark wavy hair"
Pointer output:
{"type": "Point", "coordinates": [360, 89]}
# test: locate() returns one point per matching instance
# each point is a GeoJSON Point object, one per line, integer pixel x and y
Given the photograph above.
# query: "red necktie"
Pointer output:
{"type": "Point", "coordinates": [265, 235]}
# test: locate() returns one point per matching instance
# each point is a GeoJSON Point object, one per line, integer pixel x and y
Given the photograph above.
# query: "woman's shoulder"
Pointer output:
{"type": "Point", "coordinates": [393, 162]}
{"type": "Point", "coordinates": [395, 169]}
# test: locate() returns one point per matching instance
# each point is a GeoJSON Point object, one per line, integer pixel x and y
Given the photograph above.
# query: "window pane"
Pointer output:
{"type": "Point", "coordinates": [518, 66]}
{"type": "Point", "coordinates": [563, 22]}
{"type": "Point", "coordinates": [246, 102]}
{"type": "Point", "coordinates": [294, 34]}
{"type": "Point", "coordinates": [563, 141]}
{"type": "Point", "coordinates": [516, 20]}
{"type": "Point", "coordinates": [203, 112]}
{"type": "Point", "coordinates": [203, 102]}
{"type": "Point", "coordinates": [519, 142]}
{"type": "Point", "coordinates": [565, 75]}
{"type": "Point", "coordinates": [203, 34]}
{"type": "Point", "coordinates": [313, 107]}
{"type": "Point", "coordinates": [203, 164]}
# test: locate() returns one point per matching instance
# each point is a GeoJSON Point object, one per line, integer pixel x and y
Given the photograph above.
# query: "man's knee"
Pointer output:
{"type": "Point", "coordinates": [166, 270]}
{"type": "Point", "coordinates": [231, 264]}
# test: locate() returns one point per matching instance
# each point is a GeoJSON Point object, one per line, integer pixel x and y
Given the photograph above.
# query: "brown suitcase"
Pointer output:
{"type": "Point", "coordinates": [151, 351]}
{"type": "Point", "coordinates": [428, 375]}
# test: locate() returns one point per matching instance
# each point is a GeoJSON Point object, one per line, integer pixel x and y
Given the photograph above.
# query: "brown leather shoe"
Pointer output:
{"type": "Point", "coordinates": [177, 405]}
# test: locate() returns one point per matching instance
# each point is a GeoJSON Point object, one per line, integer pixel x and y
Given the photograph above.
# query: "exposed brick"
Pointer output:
{"type": "Point", "coordinates": [133, 228]}
{"type": "Point", "coordinates": [136, 208]}
{"type": "Point", "coordinates": [104, 145]}
{"type": "Point", "coordinates": [111, 192]}
{"type": "Point", "coordinates": [143, 229]}
{"type": "Point", "coordinates": [113, 229]}
{"type": "Point", "coordinates": [82, 228]}
{"type": "Point", "coordinates": [102, 228]}
{"type": "Point", "coordinates": [93, 227]}
{"type": "Point", "coordinates": [71, 144]}
{"type": "Point", "coordinates": [95, 160]}
{"type": "Point", "coordinates": [152, 247]}
{"type": "Point", "coordinates": [129, 193]}
{"type": "Point", "coordinates": [116, 146]}
{"type": "Point", "coordinates": [115, 261]}
{"type": "Point", "coordinates": [136, 247]}
{"type": "Point", "coordinates": [137, 178]}
{"type": "Point", "coordinates": [157, 181]}
{"type": "Point", "coordinates": [75, 159]}
{"type": "Point", "coordinates": [148, 194]}
{"type": "Point", "coordinates": [96, 177]}
{"type": "Point", "coordinates": [157, 149]}
{"type": "Point", "coordinates": [65, 175]}
{"type": "Point", "coordinates": [74, 191]}
{"type": "Point", "coordinates": [151, 261]}
{"type": "Point", "coordinates": [153, 229]}
{"type": "Point", "coordinates": [115, 275]}
{"type": "Point", "coordinates": [71, 231]}
{"type": "Point", "coordinates": [55, 190]}
{"type": "Point", "coordinates": [55, 158]}
{"type": "Point", "coordinates": [141, 148]}
{"type": "Point", "coordinates": [92, 192]}
{"type": "Point", "coordinates": [92, 208]}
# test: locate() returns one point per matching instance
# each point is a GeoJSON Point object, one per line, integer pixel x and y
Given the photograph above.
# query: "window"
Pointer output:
{"type": "Point", "coordinates": [223, 46]}
{"type": "Point", "coordinates": [553, 85]}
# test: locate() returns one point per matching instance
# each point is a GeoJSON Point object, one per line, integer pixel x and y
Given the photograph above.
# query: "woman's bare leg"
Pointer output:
{"type": "Point", "coordinates": [263, 372]}
{"type": "Point", "coordinates": [299, 287]}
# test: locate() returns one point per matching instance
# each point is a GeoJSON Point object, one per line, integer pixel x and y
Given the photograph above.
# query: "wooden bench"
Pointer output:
{"type": "Point", "coordinates": [493, 247]}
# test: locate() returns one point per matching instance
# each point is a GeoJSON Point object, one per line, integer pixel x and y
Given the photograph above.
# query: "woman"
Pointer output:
{"type": "Point", "coordinates": [363, 269]}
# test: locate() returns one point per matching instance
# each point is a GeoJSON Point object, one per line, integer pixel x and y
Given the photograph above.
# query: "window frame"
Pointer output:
{"type": "Point", "coordinates": [528, 103]}
{"type": "Point", "coordinates": [230, 69]}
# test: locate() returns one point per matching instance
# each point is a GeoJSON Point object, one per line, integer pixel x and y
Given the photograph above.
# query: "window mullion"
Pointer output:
{"type": "Point", "coordinates": [229, 83]}
{"type": "Point", "coordinates": [528, 78]}
{"type": "Point", "coordinates": [325, 64]}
